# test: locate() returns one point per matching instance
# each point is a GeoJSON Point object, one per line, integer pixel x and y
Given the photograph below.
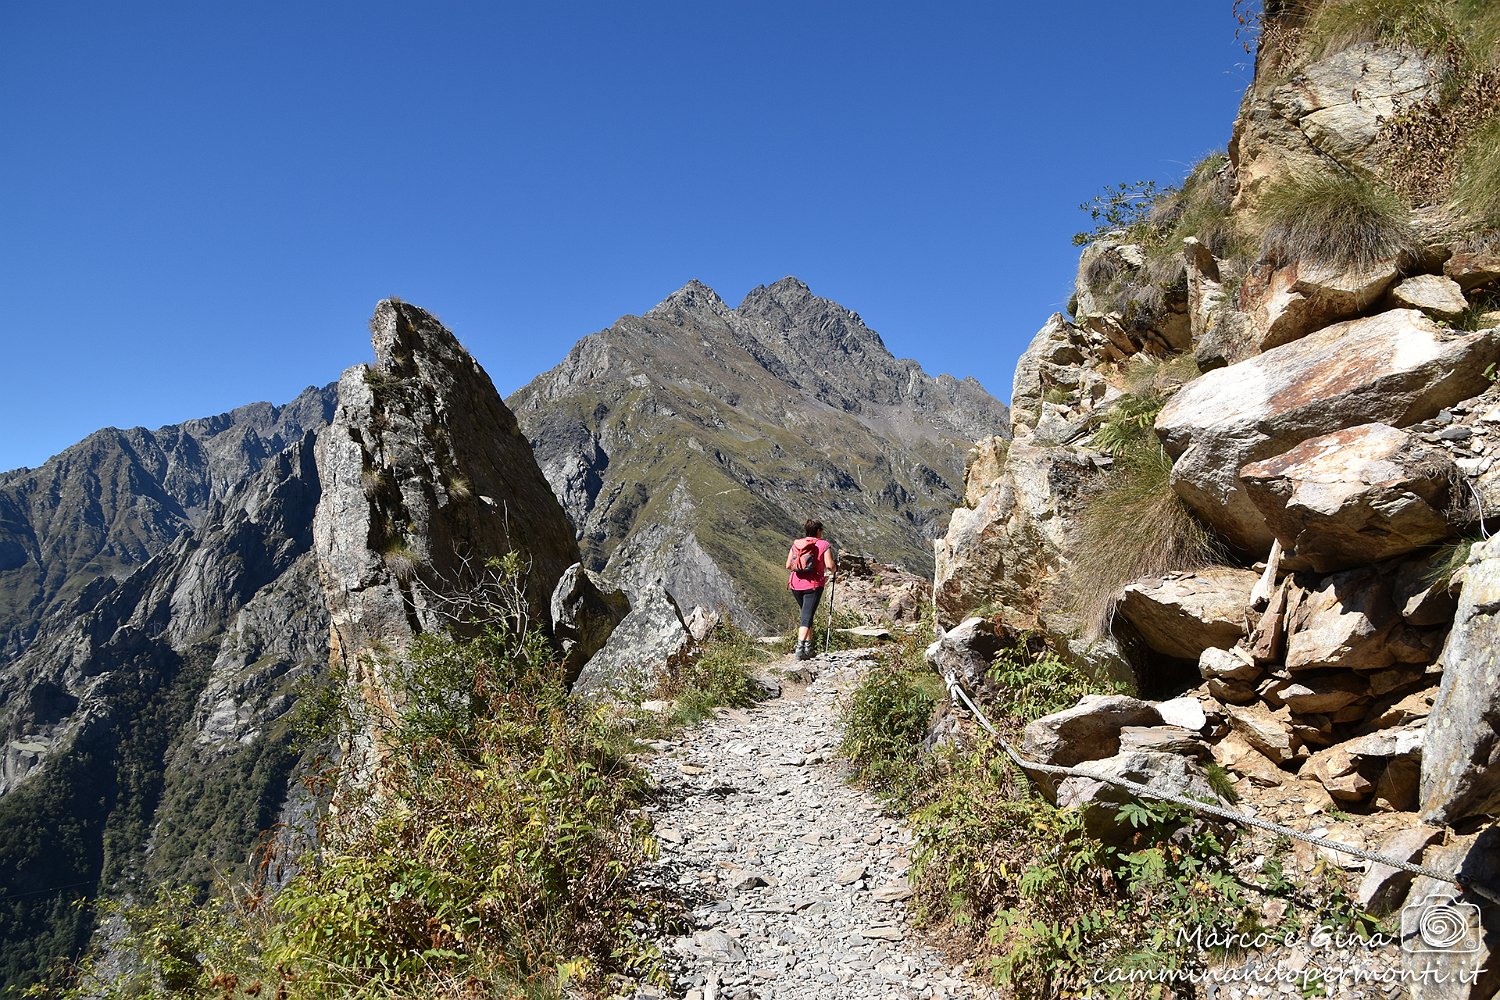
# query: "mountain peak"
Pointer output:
{"type": "Point", "coordinates": [692, 298]}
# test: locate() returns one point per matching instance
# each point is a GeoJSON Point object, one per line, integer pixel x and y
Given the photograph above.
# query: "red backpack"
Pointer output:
{"type": "Point", "coordinates": [805, 558]}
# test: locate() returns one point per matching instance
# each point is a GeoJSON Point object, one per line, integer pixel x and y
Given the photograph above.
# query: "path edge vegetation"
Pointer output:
{"type": "Point", "coordinates": [497, 855]}
{"type": "Point", "coordinates": [1019, 889]}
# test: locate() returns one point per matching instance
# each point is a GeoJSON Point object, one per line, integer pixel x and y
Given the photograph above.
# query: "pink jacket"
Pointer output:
{"type": "Point", "coordinates": [818, 579]}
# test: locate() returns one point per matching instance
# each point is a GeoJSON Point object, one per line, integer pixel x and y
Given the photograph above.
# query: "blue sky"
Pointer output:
{"type": "Point", "coordinates": [200, 203]}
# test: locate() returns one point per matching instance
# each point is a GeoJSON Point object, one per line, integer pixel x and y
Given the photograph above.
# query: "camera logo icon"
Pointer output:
{"type": "Point", "coordinates": [1440, 923]}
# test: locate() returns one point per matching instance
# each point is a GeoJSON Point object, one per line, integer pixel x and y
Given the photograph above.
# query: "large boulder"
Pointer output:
{"type": "Point", "coordinates": [1332, 109]}
{"type": "Point", "coordinates": [1436, 295]}
{"type": "Point", "coordinates": [1448, 943]}
{"type": "Point", "coordinates": [1089, 730]}
{"type": "Point", "coordinates": [1345, 622]}
{"type": "Point", "coordinates": [966, 652]}
{"type": "Point", "coordinates": [1354, 496]}
{"type": "Point", "coordinates": [1461, 754]}
{"type": "Point", "coordinates": [1182, 614]}
{"type": "Point", "coordinates": [1398, 367]}
{"type": "Point", "coordinates": [585, 612]}
{"type": "Point", "coordinates": [426, 478]}
{"type": "Point", "coordinates": [1289, 303]}
{"type": "Point", "coordinates": [1166, 773]}
{"type": "Point", "coordinates": [653, 640]}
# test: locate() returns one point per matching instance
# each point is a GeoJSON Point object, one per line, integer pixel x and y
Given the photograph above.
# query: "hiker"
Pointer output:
{"type": "Point", "coordinates": [811, 562]}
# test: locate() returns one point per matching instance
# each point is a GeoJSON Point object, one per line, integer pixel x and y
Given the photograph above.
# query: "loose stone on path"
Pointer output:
{"type": "Point", "coordinates": [796, 882]}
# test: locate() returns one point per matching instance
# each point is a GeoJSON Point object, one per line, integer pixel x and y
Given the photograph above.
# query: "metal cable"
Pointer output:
{"type": "Point", "coordinates": [1232, 815]}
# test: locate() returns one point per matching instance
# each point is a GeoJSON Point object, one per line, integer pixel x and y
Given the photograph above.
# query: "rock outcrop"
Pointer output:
{"type": "Point", "coordinates": [1461, 752]}
{"type": "Point", "coordinates": [1340, 436]}
{"type": "Point", "coordinates": [427, 478]}
{"type": "Point", "coordinates": [1397, 368]}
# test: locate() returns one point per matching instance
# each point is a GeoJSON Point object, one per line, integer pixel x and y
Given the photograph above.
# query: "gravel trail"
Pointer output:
{"type": "Point", "coordinates": [796, 881]}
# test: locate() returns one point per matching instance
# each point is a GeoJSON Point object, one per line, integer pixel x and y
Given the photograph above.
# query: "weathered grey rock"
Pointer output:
{"type": "Point", "coordinates": [1384, 888]}
{"type": "Point", "coordinates": [1474, 269]}
{"type": "Point", "coordinates": [701, 622]}
{"type": "Point", "coordinates": [966, 652]}
{"type": "Point", "coordinates": [1323, 693]}
{"type": "Point", "coordinates": [1461, 755]}
{"type": "Point", "coordinates": [1455, 959]}
{"type": "Point", "coordinates": [584, 613]}
{"type": "Point", "coordinates": [1422, 598]}
{"type": "Point", "coordinates": [1164, 739]}
{"type": "Point", "coordinates": [1397, 367]}
{"type": "Point", "coordinates": [1231, 691]}
{"type": "Point", "coordinates": [426, 476]}
{"type": "Point", "coordinates": [1206, 298]}
{"type": "Point", "coordinates": [1010, 548]}
{"type": "Point", "coordinates": [1236, 754]}
{"type": "Point", "coordinates": [1438, 296]}
{"type": "Point", "coordinates": [1346, 622]}
{"type": "Point", "coordinates": [1165, 773]}
{"type": "Point", "coordinates": [652, 640]}
{"type": "Point", "coordinates": [1227, 664]}
{"type": "Point", "coordinates": [1089, 730]}
{"type": "Point", "coordinates": [1053, 347]}
{"type": "Point", "coordinates": [1354, 496]}
{"type": "Point", "coordinates": [1182, 614]}
{"type": "Point", "coordinates": [1332, 109]}
{"type": "Point", "coordinates": [1345, 776]}
{"type": "Point", "coordinates": [1291, 302]}
{"type": "Point", "coordinates": [1266, 731]}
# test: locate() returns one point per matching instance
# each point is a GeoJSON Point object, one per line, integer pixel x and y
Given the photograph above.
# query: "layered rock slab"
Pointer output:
{"type": "Point", "coordinates": [1396, 368]}
{"type": "Point", "coordinates": [1461, 750]}
{"type": "Point", "coordinates": [1354, 496]}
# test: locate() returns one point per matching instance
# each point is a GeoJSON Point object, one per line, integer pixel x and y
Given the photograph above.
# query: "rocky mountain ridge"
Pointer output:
{"type": "Point", "coordinates": [100, 509]}
{"type": "Point", "coordinates": [688, 443]}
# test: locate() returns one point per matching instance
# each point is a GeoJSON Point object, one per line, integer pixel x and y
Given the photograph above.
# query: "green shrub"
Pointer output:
{"type": "Point", "coordinates": [885, 722]}
{"type": "Point", "coordinates": [1335, 220]}
{"type": "Point", "coordinates": [484, 837]}
{"type": "Point", "coordinates": [719, 676]}
{"type": "Point", "coordinates": [1033, 681]}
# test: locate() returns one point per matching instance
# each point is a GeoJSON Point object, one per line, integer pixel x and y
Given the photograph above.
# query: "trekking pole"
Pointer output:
{"type": "Point", "coordinates": [828, 635]}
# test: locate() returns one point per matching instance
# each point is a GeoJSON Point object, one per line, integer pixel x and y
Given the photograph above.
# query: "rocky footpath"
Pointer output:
{"type": "Point", "coordinates": [796, 882]}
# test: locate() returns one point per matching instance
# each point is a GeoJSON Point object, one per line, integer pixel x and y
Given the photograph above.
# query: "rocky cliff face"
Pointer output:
{"type": "Point", "coordinates": [147, 738]}
{"type": "Point", "coordinates": [1330, 425]}
{"type": "Point", "coordinates": [426, 478]}
{"type": "Point", "coordinates": [689, 443]}
{"type": "Point", "coordinates": [94, 513]}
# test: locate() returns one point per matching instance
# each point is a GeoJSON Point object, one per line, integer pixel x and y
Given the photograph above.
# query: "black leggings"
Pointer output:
{"type": "Point", "coordinates": [809, 601]}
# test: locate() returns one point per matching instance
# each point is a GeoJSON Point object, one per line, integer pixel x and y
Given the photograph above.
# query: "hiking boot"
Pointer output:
{"type": "Point", "coordinates": [804, 650]}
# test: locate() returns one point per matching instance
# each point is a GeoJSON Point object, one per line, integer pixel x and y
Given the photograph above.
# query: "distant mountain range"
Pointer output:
{"type": "Point", "coordinates": [690, 443]}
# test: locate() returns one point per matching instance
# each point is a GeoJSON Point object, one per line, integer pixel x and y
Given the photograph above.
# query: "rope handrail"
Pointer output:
{"type": "Point", "coordinates": [1145, 791]}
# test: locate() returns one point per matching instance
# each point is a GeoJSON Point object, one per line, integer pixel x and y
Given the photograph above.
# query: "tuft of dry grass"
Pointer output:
{"type": "Point", "coordinates": [1476, 188]}
{"type": "Point", "coordinates": [1423, 25]}
{"type": "Point", "coordinates": [1134, 526]}
{"type": "Point", "coordinates": [1337, 220]}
